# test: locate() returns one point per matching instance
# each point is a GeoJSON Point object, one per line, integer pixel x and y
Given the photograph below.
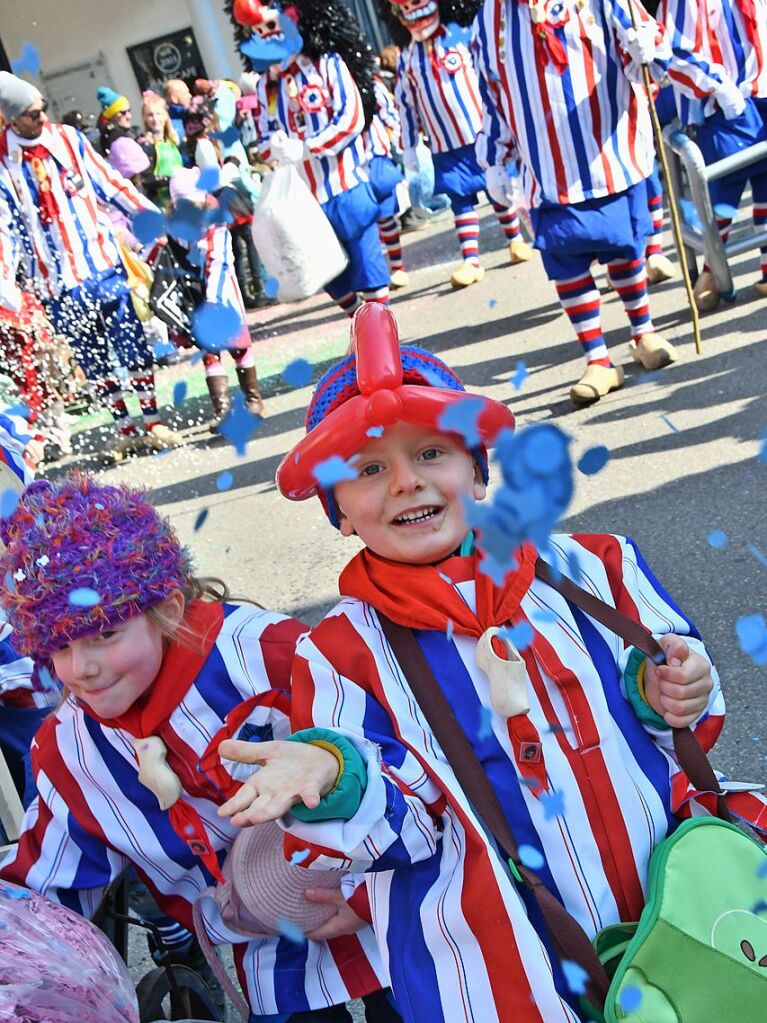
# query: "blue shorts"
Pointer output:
{"type": "Point", "coordinates": [18, 726]}
{"type": "Point", "coordinates": [354, 216]}
{"type": "Point", "coordinates": [458, 175]}
{"type": "Point", "coordinates": [385, 175]}
{"type": "Point", "coordinates": [612, 228]}
{"type": "Point", "coordinates": [99, 315]}
{"type": "Point", "coordinates": [717, 137]}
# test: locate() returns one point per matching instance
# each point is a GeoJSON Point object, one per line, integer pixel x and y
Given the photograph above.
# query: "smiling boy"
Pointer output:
{"type": "Point", "coordinates": [456, 931]}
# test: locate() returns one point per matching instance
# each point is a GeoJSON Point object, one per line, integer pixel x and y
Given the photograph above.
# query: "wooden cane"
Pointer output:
{"type": "Point", "coordinates": [672, 201]}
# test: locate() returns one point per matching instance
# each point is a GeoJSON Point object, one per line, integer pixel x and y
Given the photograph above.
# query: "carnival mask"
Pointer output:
{"type": "Point", "coordinates": [420, 17]}
{"type": "Point", "coordinates": [276, 39]}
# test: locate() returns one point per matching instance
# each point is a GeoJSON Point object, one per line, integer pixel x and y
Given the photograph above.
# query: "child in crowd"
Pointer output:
{"type": "Point", "coordinates": [601, 787]}
{"type": "Point", "coordinates": [154, 662]}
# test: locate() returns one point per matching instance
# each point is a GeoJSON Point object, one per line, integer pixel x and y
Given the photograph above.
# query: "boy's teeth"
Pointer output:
{"type": "Point", "coordinates": [416, 516]}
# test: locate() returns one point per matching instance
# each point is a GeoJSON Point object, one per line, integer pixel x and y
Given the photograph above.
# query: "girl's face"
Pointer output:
{"type": "Point", "coordinates": [155, 117]}
{"type": "Point", "coordinates": [112, 669]}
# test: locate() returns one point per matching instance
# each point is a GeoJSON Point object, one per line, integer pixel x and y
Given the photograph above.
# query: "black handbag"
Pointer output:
{"type": "Point", "coordinates": [178, 287]}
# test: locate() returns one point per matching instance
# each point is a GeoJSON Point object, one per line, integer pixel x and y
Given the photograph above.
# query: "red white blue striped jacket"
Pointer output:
{"type": "Point", "coordinates": [80, 241]}
{"type": "Point", "coordinates": [438, 890]}
{"type": "Point", "coordinates": [584, 133]}
{"type": "Point", "coordinates": [93, 817]}
{"type": "Point", "coordinates": [719, 32]}
{"type": "Point", "coordinates": [319, 103]}
{"type": "Point", "coordinates": [438, 94]}
{"type": "Point", "coordinates": [385, 131]}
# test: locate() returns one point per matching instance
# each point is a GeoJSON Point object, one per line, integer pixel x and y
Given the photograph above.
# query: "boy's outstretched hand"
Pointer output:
{"type": "Point", "coordinates": [679, 689]}
{"type": "Point", "coordinates": [291, 772]}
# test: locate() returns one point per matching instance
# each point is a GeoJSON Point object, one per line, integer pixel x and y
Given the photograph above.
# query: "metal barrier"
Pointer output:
{"type": "Point", "coordinates": [708, 242]}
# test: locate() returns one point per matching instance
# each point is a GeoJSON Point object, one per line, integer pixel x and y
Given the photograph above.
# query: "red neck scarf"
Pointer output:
{"type": "Point", "coordinates": [548, 45]}
{"type": "Point", "coordinates": [420, 597]}
{"type": "Point", "coordinates": [149, 715]}
{"type": "Point", "coordinates": [37, 155]}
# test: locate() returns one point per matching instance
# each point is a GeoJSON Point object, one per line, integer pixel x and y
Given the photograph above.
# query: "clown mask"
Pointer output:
{"type": "Point", "coordinates": [276, 40]}
{"type": "Point", "coordinates": [420, 17]}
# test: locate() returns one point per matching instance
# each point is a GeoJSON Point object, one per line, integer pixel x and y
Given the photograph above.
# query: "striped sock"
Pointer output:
{"type": "Point", "coordinates": [655, 241]}
{"type": "Point", "coordinates": [723, 223]}
{"type": "Point", "coordinates": [143, 385]}
{"type": "Point", "coordinates": [377, 295]}
{"type": "Point", "coordinates": [388, 232]}
{"type": "Point", "coordinates": [213, 365]}
{"type": "Point", "coordinates": [110, 393]}
{"type": "Point", "coordinates": [760, 221]}
{"type": "Point", "coordinates": [467, 229]}
{"type": "Point", "coordinates": [349, 303]}
{"type": "Point", "coordinates": [580, 300]}
{"type": "Point", "coordinates": [243, 357]}
{"type": "Point", "coordinates": [630, 281]}
{"type": "Point", "coordinates": [508, 218]}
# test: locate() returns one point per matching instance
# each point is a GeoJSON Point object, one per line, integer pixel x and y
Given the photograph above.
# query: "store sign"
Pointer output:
{"type": "Point", "coordinates": [170, 56]}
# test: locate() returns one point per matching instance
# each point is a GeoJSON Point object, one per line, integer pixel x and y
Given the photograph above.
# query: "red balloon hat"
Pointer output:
{"type": "Point", "coordinates": [377, 385]}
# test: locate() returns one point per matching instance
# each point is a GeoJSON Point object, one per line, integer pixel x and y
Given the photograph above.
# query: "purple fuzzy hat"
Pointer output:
{"type": "Point", "coordinates": [81, 557]}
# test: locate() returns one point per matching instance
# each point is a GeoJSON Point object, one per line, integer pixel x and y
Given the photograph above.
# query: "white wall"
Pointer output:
{"type": "Point", "coordinates": [66, 32]}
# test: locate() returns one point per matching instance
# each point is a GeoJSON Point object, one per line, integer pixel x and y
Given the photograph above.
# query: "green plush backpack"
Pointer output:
{"type": "Point", "coordinates": [699, 951]}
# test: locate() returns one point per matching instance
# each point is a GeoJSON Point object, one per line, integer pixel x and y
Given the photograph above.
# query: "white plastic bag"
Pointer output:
{"type": "Point", "coordinates": [294, 237]}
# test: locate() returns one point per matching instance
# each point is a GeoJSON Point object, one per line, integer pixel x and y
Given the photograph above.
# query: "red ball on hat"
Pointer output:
{"type": "Point", "coordinates": [248, 12]}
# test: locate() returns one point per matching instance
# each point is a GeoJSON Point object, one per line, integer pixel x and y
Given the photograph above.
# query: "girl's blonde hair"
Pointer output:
{"type": "Point", "coordinates": [207, 588]}
{"type": "Point", "coordinates": [168, 132]}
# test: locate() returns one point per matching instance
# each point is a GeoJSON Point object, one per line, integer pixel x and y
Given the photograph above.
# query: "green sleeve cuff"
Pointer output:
{"type": "Point", "coordinates": [344, 800]}
{"type": "Point", "coordinates": [643, 710]}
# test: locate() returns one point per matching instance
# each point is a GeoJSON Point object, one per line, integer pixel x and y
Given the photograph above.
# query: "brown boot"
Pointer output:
{"type": "Point", "coordinates": [218, 389]}
{"type": "Point", "coordinates": [248, 381]}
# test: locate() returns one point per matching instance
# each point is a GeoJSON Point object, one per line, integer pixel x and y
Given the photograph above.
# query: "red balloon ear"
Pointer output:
{"type": "Point", "coordinates": [375, 343]}
{"type": "Point", "coordinates": [248, 12]}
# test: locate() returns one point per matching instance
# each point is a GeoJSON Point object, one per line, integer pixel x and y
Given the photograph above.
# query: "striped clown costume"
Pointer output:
{"type": "Point", "coordinates": [599, 792]}
{"type": "Point", "coordinates": [561, 88]}
{"type": "Point", "coordinates": [731, 35]}
{"type": "Point", "coordinates": [438, 98]}
{"type": "Point", "coordinates": [54, 193]}
{"type": "Point", "coordinates": [384, 136]}
{"type": "Point", "coordinates": [312, 114]}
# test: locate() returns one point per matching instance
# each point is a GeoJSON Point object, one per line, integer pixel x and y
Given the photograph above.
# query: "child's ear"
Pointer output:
{"type": "Point", "coordinates": [344, 525]}
{"type": "Point", "coordinates": [479, 488]}
{"type": "Point", "coordinates": [173, 607]}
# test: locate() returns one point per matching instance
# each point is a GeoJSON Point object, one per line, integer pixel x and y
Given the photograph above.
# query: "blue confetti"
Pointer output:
{"type": "Point", "coordinates": [492, 303]}
{"type": "Point", "coordinates": [179, 392]}
{"type": "Point", "coordinates": [298, 857]}
{"type": "Point", "coordinates": [188, 222]}
{"type": "Point", "coordinates": [15, 894]}
{"type": "Point", "coordinates": [594, 459]}
{"type": "Point", "coordinates": [8, 503]}
{"type": "Point", "coordinates": [531, 857]}
{"type": "Point", "coordinates": [333, 470]}
{"type": "Point", "coordinates": [576, 977]}
{"type": "Point", "coordinates": [224, 481]}
{"type": "Point", "coordinates": [449, 630]}
{"type": "Point", "coordinates": [208, 179]}
{"type": "Point", "coordinates": [83, 596]}
{"type": "Point", "coordinates": [724, 211]}
{"type": "Point", "coordinates": [520, 376]}
{"type": "Point", "coordinates": [271, 287]}
{"type": "Point", "coordinates": [215, 325]}
{"type": "Point", "coordinates": [228, 137]}
{"type": "Point", "coordinates": [759, 554]}
{"type": "Point", "coordinates": [763, 450]}
{"type": "Point", "coordinates": [630, 998]}
{"type": "Point", "coordinates": [690, 214]}
{"type": "Point", "coordinates": [374, 431]}
{"type": "Point", "coordinates": [752, 634]}
{"type": "Point", "coordinates": [298, 373]}
{"type": "Point", "coordinates": [148, 226]}
{"type": "Point", "coordinates": [762, 871]}
{"type": "Point", "coordinates": [669, 424]}
{"type": "Point", "coordinates": [759, 907]}
{"type": "Point", "coordinates": [717, 539]}
{"type": "Point", "coordinates": [521, 636]}
{"type": "Point", "coordinates": [485, 729]}
{"type": "Point", "coordinates": [545, 617]}
{"type": "Point", "coordinates": [462, 418]}
{"type": "Point", "coordinates": [574, 566]}
{"type": "Point", "coordinates": [553, 804]}
{"type": "Point", "coordinates": [199, 522]}
{"type": "Point", "coordinates": [290, 931]}
{"type": "Point", "coordinates": [28, 60]}
{"type": "Point", "coordinates": [46, 680]}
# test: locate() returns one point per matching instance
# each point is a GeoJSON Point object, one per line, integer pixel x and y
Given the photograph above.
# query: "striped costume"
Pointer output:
{"type": "Point", "coordinates": [93, 817]}
{"type": "Point", "coordinates": [437, 887]}
{"type": "Point", "coordinates": [383, 137]}
{"type": "Point", "coordinates": [319, 103]}
{"type": "Point", "coordinates": [54, 191]}
{"type": "Point", "coordinates": [438, 97]}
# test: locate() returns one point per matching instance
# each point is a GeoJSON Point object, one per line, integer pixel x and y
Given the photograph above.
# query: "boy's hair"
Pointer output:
{"type": "Point", "coordinates": [80, 557]}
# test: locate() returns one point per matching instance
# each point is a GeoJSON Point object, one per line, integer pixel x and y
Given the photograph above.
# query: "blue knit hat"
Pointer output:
{"type": "Point", "coordinates": [111, 102]}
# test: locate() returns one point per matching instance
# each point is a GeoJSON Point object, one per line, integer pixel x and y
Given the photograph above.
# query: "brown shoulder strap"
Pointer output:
{"type": "Point", "coordinates": [568, 937]}
{"type": "Point", "coordinates": [689, 753]}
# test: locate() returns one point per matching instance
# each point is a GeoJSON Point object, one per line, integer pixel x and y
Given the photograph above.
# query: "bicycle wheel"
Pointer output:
{"type": "Point", "coordinates": [191, 999]}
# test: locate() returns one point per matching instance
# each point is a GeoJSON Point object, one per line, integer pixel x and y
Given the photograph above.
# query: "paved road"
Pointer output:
{"type": "Point", "coordinates": [684, 449]}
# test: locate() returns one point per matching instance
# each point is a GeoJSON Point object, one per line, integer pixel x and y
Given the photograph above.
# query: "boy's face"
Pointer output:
{"type": "Point", "coordinates": [406, 503]}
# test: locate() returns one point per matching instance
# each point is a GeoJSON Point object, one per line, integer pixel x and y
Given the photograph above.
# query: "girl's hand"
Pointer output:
{"type": "Point", "coordinates": [292, 772]}
{"type": "Point", "coordinates": [344, 921]}
{"type": "Point", "coordinates": [679, 689]}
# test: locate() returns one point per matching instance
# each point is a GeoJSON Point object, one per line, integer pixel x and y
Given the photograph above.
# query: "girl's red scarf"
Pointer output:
{"type": "Point", "coordinates": [423, 597]}
{"type": "Point", "coordinates": [149, 715]}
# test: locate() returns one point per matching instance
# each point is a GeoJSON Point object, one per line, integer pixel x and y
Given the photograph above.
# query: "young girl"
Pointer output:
{"type": "Point", "coordinates": [163, 144]}
{"type": "Point", "coordinates": [101, 594]}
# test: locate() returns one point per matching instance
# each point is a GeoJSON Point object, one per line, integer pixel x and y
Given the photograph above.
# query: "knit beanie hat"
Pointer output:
{"type": "Point", "coordinates": [16, 95]}
{"type": "Point", "coordinates": [377, 385]}
{"type": "Point", "coordinates": [81, 556]}
{"type": "Point", "coordinates": [111, 102]}
{"type": "Point", "coordinates": [127, 157]}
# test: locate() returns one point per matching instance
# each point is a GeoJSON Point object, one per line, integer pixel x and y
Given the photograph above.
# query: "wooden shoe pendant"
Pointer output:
{"type": "Point", "coordinates": [507, 676]}
{"type": "Point", "coordinates": [154, 772]}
